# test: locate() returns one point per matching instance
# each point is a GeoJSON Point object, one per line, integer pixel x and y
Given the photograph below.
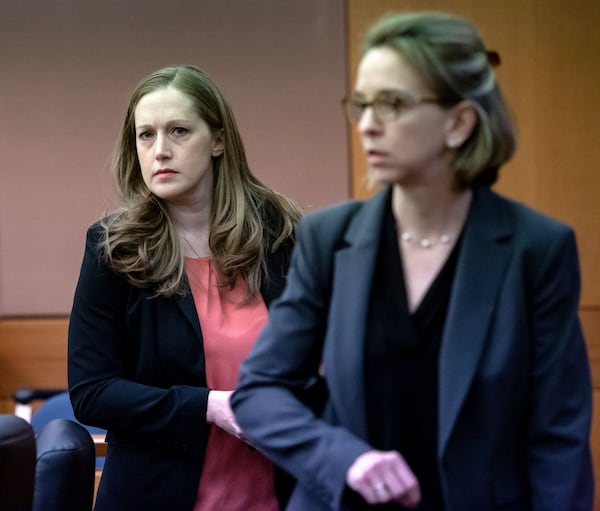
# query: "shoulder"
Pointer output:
{"type": "Point", "coordinates": [354, 221]}
{"type": "Point", "coordinates": [330, 221]}
{"type": "Point", "coordinates": [95, 232]}
{"type": "Point", "coordinates": [334, 213]}
{"type": "Point", "coordinates": [94, 260]}
{"type": "Point", "coordinates": [525, 221]}
{"type": "Point", "coordinates": [322, 230]}
{"type": "Point", "coordinates": [101, 228]}
{"type": "Point", "coordinates": [540, 242]}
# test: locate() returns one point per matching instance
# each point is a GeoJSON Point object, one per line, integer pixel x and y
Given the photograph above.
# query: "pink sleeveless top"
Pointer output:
{"type": "Point", "coordinates": [234, 477]}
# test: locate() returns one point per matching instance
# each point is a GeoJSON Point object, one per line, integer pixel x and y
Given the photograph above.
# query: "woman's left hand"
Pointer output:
{"type": "Point", "coordinates": [218, 411]}
{"type": "Point", "coordinates": [384, 476]}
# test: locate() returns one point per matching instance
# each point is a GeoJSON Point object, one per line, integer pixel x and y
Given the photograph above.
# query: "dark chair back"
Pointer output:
{"type": "Point", "coordinates": [55, 404]}
{"type": "Point", "coordinates": [65, 468]}
{"type": "Point", "coordinates": [17, 463]}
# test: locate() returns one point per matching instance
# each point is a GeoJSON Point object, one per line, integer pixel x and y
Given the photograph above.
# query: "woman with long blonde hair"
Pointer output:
{"type": "Point", "coordinates": [173, 290]}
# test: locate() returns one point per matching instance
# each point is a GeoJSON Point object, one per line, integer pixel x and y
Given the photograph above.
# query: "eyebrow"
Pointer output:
{"type": "Point", "coordinates": [170, 122]}
{"type": "Point", "coordinates": [398, 92]}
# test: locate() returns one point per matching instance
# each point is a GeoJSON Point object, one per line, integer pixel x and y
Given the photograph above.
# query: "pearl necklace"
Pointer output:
{"type": "Point", "coordinates": [444, 239]}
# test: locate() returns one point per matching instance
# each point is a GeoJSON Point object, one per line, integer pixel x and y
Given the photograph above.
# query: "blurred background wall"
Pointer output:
{"type": "Point", "coordinates": [68, 68]}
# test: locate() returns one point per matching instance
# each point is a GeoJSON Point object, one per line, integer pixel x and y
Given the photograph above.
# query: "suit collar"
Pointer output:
{"type": "Point", "coordinates": [355, 261]}
{"type": "Point", "coordinates": [479, 275]}
{"type": "Point", "coordinates": [364, 229]}
{"type": "Point", "coordinates": [188, 307]}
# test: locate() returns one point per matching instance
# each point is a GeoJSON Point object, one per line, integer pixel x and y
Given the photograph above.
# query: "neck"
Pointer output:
{"type": "Point", "coordinates": [193, 226]}
{"type": "Point", "coordinates": [428, 217]}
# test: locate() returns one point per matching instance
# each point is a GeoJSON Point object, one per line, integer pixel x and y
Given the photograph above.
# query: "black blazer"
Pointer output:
{"type": "Point", "coordinates": [514, 385]}
{"type": "Point", "coordinates": [136, 368]}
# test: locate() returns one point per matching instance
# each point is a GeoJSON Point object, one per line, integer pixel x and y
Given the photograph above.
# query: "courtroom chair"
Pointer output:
{"type": "Point", "coordinates": [17, 463]}
{"type": "Point", "coordinates": [65, 467]}
{"type": "Point", "coordinates": [53, 471]}
{"type": "Point", "coordinates": [54, 403]}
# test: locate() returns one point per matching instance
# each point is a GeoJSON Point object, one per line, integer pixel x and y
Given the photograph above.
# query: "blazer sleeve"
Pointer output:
{"type": "Point", "coordinates": [101, 361]}
{"type": "Point", "coordinates": [284, 362]}
{"type": "Point", "coordinates": [559, 461]}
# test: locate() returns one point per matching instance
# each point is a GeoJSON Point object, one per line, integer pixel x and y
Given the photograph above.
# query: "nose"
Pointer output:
{"type": "Point", "coordinates": [368, 123]}
{"type": "Point", "coordinates": [162, 148]}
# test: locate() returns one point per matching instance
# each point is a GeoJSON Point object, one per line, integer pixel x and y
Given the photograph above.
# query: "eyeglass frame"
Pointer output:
{"type": "Point", "coordinates": [407, 101]}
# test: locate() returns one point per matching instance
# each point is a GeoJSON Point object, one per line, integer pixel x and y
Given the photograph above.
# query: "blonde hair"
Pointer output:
{"type": "Point", "coordinates": [449, 54]}
{"type": "Point", "coordinates": [249, 220]}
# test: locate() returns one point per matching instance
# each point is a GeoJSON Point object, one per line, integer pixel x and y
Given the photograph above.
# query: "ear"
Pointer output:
{"type": "Point", "coordinates": [218, 145]}
{"type": "Point", "coordinates": [461, 123]}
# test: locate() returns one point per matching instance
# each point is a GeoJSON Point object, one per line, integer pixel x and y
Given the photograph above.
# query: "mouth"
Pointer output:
{"type": "Point", "coordinates": [164, 173]}
{"type": "Point", "coordinates": [375, 157]}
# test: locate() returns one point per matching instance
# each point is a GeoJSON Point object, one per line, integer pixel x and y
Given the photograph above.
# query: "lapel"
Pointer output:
{"type": "Point", "coordinates": [188, 307]}
{"type": "Point", "coordinates": [355, 262]}
{"type": "Point", "coordinates": [479, 275]}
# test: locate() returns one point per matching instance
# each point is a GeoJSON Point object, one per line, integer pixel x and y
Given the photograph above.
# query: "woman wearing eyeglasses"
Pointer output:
{"type": "Point", "coordinates": [442, 316]}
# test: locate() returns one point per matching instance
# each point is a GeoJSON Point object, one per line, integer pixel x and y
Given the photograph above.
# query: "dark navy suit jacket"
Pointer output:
{"type": "Point", "coordinates": [514, 383]}
{"type": "Point", "coordinates": [136, 368]}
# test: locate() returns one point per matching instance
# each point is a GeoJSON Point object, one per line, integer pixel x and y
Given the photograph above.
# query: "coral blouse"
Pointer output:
{"type": "Point", "coordinates": [234, 477]}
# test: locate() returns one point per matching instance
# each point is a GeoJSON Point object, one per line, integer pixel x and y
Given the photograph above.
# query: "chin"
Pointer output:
{"type": "Point", "coordinates": [168, 193]}
{"type": "Point", "coordinates": [383, 177]}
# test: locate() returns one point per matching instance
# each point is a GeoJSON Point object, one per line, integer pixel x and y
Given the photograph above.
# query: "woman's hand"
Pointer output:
{"type": "Point", "coordinates": [218, 412]}
{"type": "Point", "coordinates": [384, 476]}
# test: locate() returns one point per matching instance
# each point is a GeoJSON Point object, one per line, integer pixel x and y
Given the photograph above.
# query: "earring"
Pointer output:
{"type": "Point", "coordinates": [452, 143]}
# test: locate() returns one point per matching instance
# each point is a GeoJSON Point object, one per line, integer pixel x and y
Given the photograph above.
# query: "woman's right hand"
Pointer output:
{"type": "Point", "coordinates": [218, 412]}
{"type": "Point", "coordinates": [384, 476]}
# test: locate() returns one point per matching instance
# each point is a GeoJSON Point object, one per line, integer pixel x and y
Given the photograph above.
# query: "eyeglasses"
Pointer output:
{"type": "Point", "coordinates": [387, 105]}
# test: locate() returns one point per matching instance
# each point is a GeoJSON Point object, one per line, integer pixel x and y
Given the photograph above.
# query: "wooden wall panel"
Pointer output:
{"type": "Point", "coordinates": [33, 353]}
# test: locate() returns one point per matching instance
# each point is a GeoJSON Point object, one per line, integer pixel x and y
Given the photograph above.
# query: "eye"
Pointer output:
{"type": "Point", "coordinates": [179, 131]}
{"type": "Point", "coordinates": [392, 101]}
{"type": "Point", "coordinates": [145, 135]}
